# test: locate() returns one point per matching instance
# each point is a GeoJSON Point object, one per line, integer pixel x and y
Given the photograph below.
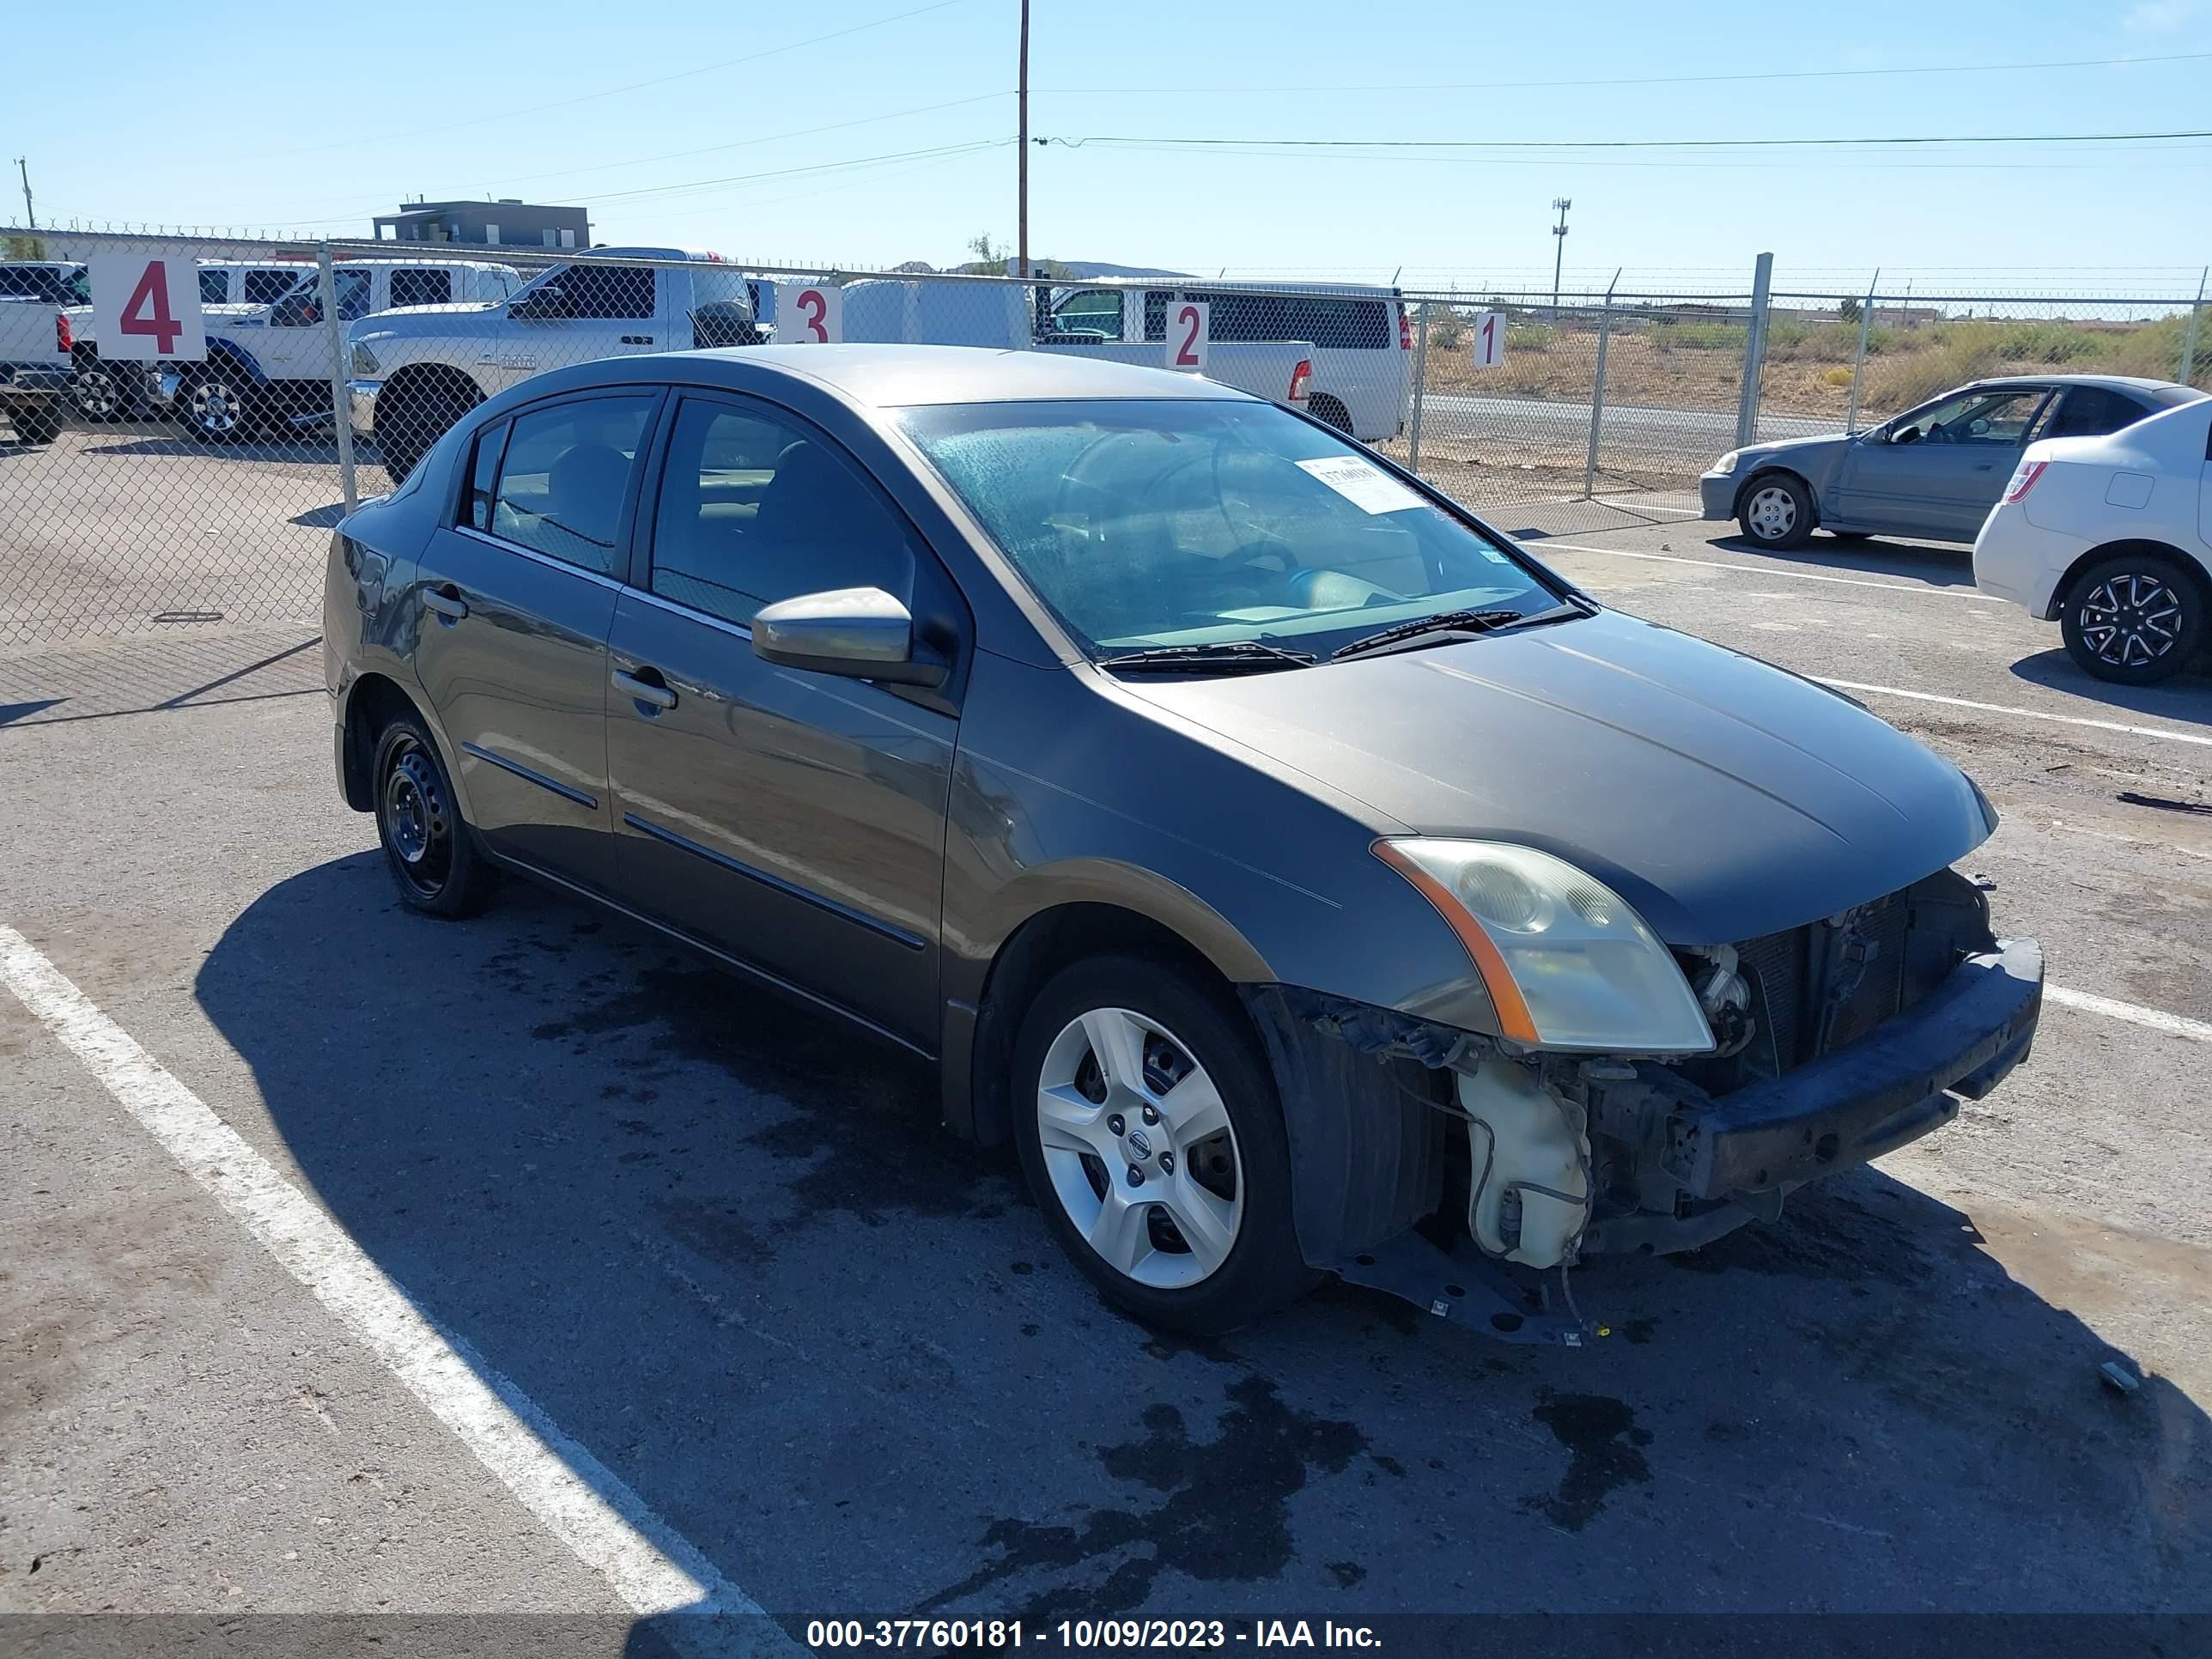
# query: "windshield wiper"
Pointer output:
{"type": "Point", "coordinates": [1213, 657]}
{"type": "Point", "coordinates": [1448, 625]}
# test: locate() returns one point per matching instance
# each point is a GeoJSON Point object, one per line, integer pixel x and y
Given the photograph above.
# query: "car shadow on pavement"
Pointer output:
{"type": "Point", "coordinates": [1931, 565]}
{"type": "Point", "coordinates": [2186, 697]}
{"type": "Point", "coordinates": [724, 1242]}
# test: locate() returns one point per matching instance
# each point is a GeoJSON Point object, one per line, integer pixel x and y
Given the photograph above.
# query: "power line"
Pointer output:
{"type": "Point", "coordinates": [610, 92]}
{"type": "Point", "coordinates": [969, 148]}
{"type": "Point", "coordinates": [1656, 80]}
{"type": "Point", "coordinates": [1555, 145]}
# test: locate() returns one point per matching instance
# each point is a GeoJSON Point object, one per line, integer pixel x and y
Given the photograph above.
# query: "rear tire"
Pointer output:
{"type": "Point", "coordinates": [2135, 619]}
{"type": "Point", "coordinates": [1146, 1119]}
{"type": "Point", "coordinates": [428, 847]}
{"type": "Point", "coordinates": [1328, 409]}
{"type": "Point", "coordinates": [99, 390]}
{"type": "Point", "coordinates": [34, 425]}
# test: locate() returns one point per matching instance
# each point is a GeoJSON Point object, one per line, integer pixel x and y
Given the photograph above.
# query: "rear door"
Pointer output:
{"type": "Point", "coordinates": [517, 595]}
{"type": "Point", "coordinates": [1937, 470]}
{"type": "Point", "coordinates": [794, 820]}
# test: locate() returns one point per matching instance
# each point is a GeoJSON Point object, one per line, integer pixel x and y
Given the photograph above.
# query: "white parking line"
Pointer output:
{"type": "Point", "coordinates": [647, 1563]}
{"type": "Point", "coordinates": [1648, 506]}
{"type": "Point", "coordinates": [1539, 544]}
{"type": "Point", "coordinates": [2196, 1030]}
{"type": "Point", "coordinates": [2023, 713]}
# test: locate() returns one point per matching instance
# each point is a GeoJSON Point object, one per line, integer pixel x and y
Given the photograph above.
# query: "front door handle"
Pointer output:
{"type": "Point", "coordinates": [654, 691]}
{"type": "Point", "coordinates": [637, 339]}
{"type": "Point", "coordinates": [446, 601]}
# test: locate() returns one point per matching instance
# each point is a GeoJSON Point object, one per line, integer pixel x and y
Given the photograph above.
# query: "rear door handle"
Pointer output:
{"type": "Point", "coordinates": [446, 601]}
{"type": "Point", "coordinates": [653, 692]}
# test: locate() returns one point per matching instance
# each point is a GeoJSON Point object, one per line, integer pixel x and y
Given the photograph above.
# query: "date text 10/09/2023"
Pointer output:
{"type": "Point", "coordinates": [926, 1635]}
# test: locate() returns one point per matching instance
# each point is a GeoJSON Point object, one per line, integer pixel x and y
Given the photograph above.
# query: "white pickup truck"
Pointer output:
{"type": "Point", "coordinates": [916, 311]}
{"type": "Point", "coordinates": [34, 357]}
{"type": "Point", "coordinates": [415, 372]}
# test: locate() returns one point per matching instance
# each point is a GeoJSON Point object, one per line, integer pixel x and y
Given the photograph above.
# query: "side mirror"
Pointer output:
{"type": "Point", "coordinates": [860, 632]}
{"type": "Point", "coordinates": [551, 300]}
{"type": "Point", "coordinates": [1905, 435]}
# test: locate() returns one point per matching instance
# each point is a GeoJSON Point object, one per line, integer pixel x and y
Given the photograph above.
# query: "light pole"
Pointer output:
{"type": "Point", "coordinates": [1022, 208]}
{"type": "Point", "coordinates": [1560, 204]}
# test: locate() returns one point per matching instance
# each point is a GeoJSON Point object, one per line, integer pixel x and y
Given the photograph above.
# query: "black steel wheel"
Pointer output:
{"type": "Point", "coordinates": [428, 846]}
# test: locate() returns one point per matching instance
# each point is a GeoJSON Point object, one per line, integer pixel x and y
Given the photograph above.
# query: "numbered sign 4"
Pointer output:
{"type": "Point", "coordinates": [1489, 340]}
{"type": "Point", "coordinates": [1189, 322]}
{"type": "Point", "coordinates": [146, 310]}
{"type": "Point", "coordinates": [809, 314]}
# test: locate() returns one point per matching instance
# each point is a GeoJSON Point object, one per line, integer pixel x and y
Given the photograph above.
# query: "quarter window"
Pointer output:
{"type": "Point", "coordinates": [561, 481]}
{"type": "Point", "coordinates": [214, 287]}
{"type": "Point", "coordinates": [754, 509]}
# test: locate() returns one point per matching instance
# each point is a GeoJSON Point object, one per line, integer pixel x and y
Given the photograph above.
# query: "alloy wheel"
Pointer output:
{"type": "Point", "coordinates": [96, 392]}
{"type": "Point", "coordinates": [2130, 619]}
{"type": "Point", "coordinates": [1138, 1149]}
{"type": "Point", "coordinates": [217, 409]}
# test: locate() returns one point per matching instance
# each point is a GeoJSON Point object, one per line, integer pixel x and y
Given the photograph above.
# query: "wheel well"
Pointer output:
{"type": "Point", "coordinates": [2189, 569]}
{"type": "Point", "coordinates": [1032, 954]}
{"type": "Point", "coordinates": [374, 703]}
{"type": "Point", "coordinates": [1320, 402]}
{"type": "Point", "coordinates": [421, 379]}
{"type": "Point", "coordinates": [1765, 473]}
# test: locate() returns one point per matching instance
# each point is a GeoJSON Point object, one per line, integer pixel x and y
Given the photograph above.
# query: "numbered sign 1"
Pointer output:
{"type": "Point", "coordinates": [809, 314]}
{"type": "Point", "coordinates": [146, 310]}
{"type": "Point", "coordinates": [1489, 341]}
{"type": "Point", "coordinates": [1189, 322]}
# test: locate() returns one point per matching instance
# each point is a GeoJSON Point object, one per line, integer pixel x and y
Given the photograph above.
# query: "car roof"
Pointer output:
{"type": "Point", "coordinates": [1237, 284]}
{"type": "Point", "coordinates": [2130, 382]}
{"type": "Point", "coordinates": [898, 376]}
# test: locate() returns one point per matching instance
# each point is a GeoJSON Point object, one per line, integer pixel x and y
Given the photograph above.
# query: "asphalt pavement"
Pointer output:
{"type": "Point", "coordinates": [747, 1310]}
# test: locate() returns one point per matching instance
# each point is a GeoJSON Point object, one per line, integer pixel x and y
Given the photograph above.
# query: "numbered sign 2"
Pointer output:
{"type": "Point", "coordinates": [809, 314]}
{"type": "Point", "coordinates": [1489, 340]}
{"type": "Point", "coordinates": [146, 310]}
{"type": "Point", "coordinates": [1189, 322]}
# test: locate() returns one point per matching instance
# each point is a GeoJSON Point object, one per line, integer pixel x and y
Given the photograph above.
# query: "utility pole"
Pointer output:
{"type": "Point", "coordinates": [30, 219]}
{"type": "Point", "coordinates": [1560, 204]}
{"type": "Point", "coordinates": [1022, 212]}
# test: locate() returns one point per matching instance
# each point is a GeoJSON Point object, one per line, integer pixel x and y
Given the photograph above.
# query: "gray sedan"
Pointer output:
{"type": "Point", "coordinates": [1300, 876]}
{"type": "Point", "coordinates": [1933, 472]}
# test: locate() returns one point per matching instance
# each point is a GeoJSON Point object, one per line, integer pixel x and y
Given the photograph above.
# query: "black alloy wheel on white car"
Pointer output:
{"type": "Point", "coordinates": [1152, 1136]}
{"type": "Point", "coordinates": [2135, 620]}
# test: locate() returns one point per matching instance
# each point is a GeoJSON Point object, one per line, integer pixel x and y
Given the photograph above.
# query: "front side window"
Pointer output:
{"type": "Point", "coordinates": [1988, 418]}
{"type": "Point", "coordinates": [754, 509]}
{"type": "Point", "coordinates": [561, 481]}
{"type": "Point", "coordinates": [215, 286]}
{"type": "Point", "coordinates": [1195, 522]}
{"type": "Point", "coordinates": [414, 285]}
{"type": "Point", "coordinates": [1091, 310]}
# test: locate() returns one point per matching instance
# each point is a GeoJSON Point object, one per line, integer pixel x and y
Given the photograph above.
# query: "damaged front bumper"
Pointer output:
{"type": "Point", "coordinates": [1383, 1196]}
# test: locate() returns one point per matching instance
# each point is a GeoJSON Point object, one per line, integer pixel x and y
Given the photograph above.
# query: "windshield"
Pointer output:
{"type": "Point", "coordinates": [1144, 525]}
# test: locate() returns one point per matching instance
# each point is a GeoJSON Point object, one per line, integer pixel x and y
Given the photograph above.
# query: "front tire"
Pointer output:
{"type": "Point", "coordinates": [34, 424]}
{"type": "Point", "coordinates": [1776, 511]}
{"type": "Point", "coordinates": [2134, 620]}
{"type": "Point", "coordinates": [428, 846]}
{"type": "Point", "coordinates": [1148, 1128]}
{"type": "Point", "coordinates": [407, 427]}
{"type": "Point", "coordinates": [220, 407]}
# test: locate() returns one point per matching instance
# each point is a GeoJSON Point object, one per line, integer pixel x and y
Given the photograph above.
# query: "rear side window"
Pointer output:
{"type": "Point", "coordinates": [1338, 325]}
{"type": "Point", "coordinates": [483, 476]}
{"type": "Point", "coordinates": [420, 286]}
{"type": "Point", "coordinates": [214, 287]}
{"type": "Point", "coordinates": [623, 291]}
{"type": "Point", "coordinates": [2091, 411]}
{"type": "Point", "coordinates": [560, 484]}
{"type": "Point", "coordinates": [266, 286]}
{"type": "Point", "coordinates": [35, 283]}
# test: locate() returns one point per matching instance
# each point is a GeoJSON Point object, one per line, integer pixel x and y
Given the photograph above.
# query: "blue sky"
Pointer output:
{"type": "Point", "coordinates": [311, 118]}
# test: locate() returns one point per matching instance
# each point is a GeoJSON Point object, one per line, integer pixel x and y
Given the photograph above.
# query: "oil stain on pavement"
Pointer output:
{"type": "Point", "coordinates": [1225, 1516]}
{"type": "Point", "coordinates": [1606, 1451]}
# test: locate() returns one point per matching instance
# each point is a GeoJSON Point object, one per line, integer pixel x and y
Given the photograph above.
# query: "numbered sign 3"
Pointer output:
{"type": "Point", "coordinates": [146, 310]}
{"type": "Point", "coordinates": [1489, 340]}
{"type": "Point", "coordinates": [809, 314]}
{"type": "Point", "coordinates": [1189, 322]}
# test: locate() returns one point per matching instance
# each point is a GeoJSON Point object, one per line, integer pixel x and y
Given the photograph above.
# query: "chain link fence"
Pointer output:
{"type": "Point", "coordinates": [186, 470]}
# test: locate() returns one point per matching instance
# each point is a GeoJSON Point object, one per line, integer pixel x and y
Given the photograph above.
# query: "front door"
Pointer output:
{"type": "Point", "coordinates": [1937, 470]}
{"type": "Point", "coordinates": [515, 601]}
{"type": "Point", "coordinates": [792, 819]}
{"type": "Point", "coordinates": [576, 314]}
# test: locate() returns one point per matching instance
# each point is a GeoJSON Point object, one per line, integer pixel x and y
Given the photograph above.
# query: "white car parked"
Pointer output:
{"type": "Point", "coordinates": [2111, 538]}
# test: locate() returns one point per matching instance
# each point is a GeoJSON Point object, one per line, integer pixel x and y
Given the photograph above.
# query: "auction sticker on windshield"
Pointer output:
{"type": "Point", "coordinates": [1367, 488]}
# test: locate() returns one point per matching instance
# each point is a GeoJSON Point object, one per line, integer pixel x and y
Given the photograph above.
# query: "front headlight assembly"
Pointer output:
{"type": "Point", "coordinates": [1567, 963]}
{"type": "Point", "coordinates": [1726, 462]}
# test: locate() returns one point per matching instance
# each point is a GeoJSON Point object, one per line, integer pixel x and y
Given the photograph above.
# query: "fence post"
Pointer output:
{"type": "Point", "coordinates": [327, 293]}
{"type": "Point", "coordinates": [1858, 363]}
{"type": "Point", "coordinates": [1597, 389]}
{"type": "Point", "coordinates": [1420, 391]}
{"type": "Point", "coordinates": [2189, 335]}
{"type": "Point", "coordinates": [1754, 352]}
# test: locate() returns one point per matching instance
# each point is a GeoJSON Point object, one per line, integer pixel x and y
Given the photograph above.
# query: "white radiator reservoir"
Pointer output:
{"type": "Point", "coordinates": [1537, 1156]}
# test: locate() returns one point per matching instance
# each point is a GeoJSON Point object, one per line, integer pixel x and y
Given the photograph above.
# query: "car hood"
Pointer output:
{"type": "Point", "coordinates": [1721, 796]}
{"type": "Point", "coordinates": [465, 319]}
{"type": "Point", "coordinates": [1798, 449]}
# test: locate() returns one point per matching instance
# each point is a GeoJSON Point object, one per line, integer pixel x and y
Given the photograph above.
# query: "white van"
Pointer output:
{"type": "Point", "coordinates": [1362, 336]}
